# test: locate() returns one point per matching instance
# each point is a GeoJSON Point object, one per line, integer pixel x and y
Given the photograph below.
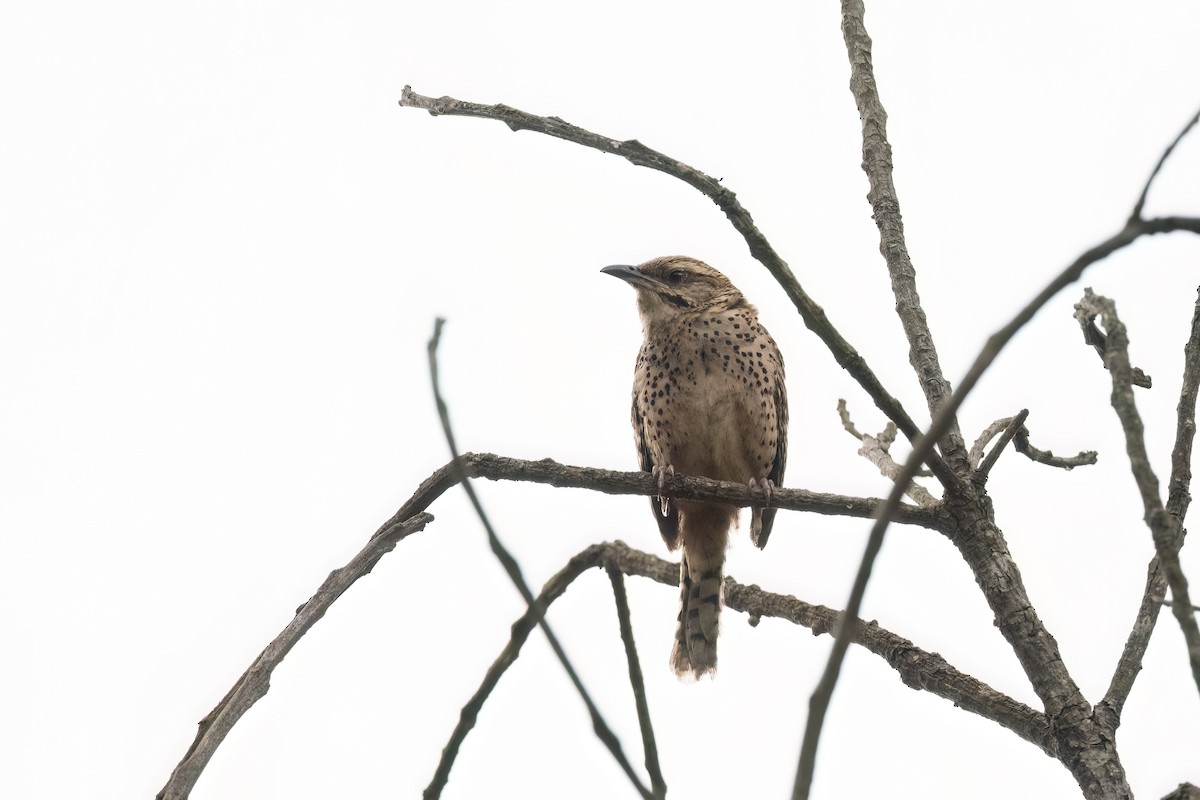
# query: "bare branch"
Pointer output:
{"type": "Point", "coordinates": [1170, 604]}
{"type": "Point", "coordinates": [1023, 446]}
{"type": "Point", "coordinates": [548, 471]}
{"type": "Point", "coordinates": [636, 682]}
{"type": "Point", "coordinates": [1185, 791]}
{"type": "Point", "coordinates": [1178, 499]}
{"type": "Point", "coordinates": [1165, 528]}
{"type": "Point", "coordinates": [1014, 425]}
{"type": "Point", "coordinates": [917, 668]}
{"type": "Point", "coordinates": [1141, 201]}
{"type": "Point", "coordinates": [254, 683]}
{"type": "Point", "coordinates": [637, 153]}
{"type": "Point", "coordinates": [885, 205]}
{"type": "Point", "coordinates": [872, 450]}
{"type": "Point", "coordinates": [603, 732]}
{"type": "Point", "coordinates": [1099, 341]}
{"type": "Point", "coordinates": [847, 423]}
{"type": "Point", "coordinates": [990, 432]}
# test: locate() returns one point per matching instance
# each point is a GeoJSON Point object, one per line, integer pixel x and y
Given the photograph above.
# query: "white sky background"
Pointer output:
{"type": "Point", "coordinates": [224, 246]}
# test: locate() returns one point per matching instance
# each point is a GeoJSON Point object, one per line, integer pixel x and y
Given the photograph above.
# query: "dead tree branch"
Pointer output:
{"type": "Point", "coordinates": [876, 452]}
{"type": "Point", "coordinates": [1010, 430]}
{"type": "Point", "coordinates": [254, 683]}
{"type": "Point", "coordinates": [975, 456]}
{"type": "Point", "coordinates": [636, 682]}
{"type": "Point", "coordinates": [603, 732]}
{"type": "Point", "coordinates": [1165, 528]}
{"type": "Point", "coordinates": [637, 153]}
{"type": "Point", "coordinates": [1140, 205]}
{"type": "Point", "coordinates": [548, 471]}
{"type": "Point", "coordinates": [1025, 448]}
{"type": "Point", "coordinates": [1095, 337]}
{"type": "Point", "coordinates": [917, 668]}
{"type": "Point", "coordinates": [885, 207]}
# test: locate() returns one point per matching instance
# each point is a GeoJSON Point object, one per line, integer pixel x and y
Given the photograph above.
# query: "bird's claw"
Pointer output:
{"type": "Point", "coordinates": [664, 503]}
{"type": "Point", "coordinates": [768, 488]}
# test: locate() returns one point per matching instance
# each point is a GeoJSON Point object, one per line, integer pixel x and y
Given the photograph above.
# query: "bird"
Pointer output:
{"type": "Point", "coordinates": [709, 400]}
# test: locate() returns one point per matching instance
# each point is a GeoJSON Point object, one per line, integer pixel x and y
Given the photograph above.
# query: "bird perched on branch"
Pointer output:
{"type": "Point", "coordinates": [708, 400]}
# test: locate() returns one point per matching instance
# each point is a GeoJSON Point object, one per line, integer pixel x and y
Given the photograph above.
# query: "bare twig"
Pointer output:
{"type": "Point", "coordinates": [1170, 604]}
{"type": "Point", "coordinates": [603, 732]}
{"type": "Point", "coordinates": [1178, 499]}
{"type": "Point", "coordinates": [637, 683]}
{"type": "Point", "coordinates": [874, 451]}
{"type": "Point", "coordinates": [1099, 341]}
{"type": "Point", "coordinates": [1010, 431]}
{"type": "Point", "coordinates": [519, 634]}
{"type": "Point", "coordinates": [990, 432]}
{"type": "Point", "coordinates": [1141, 201]}
{"type": "Point", "coordinates": [918, 669]}
{"type": "Point", "coordinates": [254, 683]}
{"type": "Point", "coordinates": [847, 423]}
{"type": "Point", "coordinates": [1185, 791]}
{"type": "Point", "coordinates": [1165, 528]}
{"type": "Point", "coordinates": [885, 207]}
{"type": "Point", "coordinates": [637, 153]}
{"type": "Point", "coordinates": [1023, 446]}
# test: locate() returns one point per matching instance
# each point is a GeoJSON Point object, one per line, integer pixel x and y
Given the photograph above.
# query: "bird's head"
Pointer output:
{"type": "Point", "coordinates": [674, 286]}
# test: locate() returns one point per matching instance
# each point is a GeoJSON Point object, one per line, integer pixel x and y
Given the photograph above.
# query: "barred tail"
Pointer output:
{"type": "Point", "coordinates": [700, 590]}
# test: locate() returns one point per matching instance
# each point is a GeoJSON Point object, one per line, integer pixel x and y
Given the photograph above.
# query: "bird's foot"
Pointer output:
{"type": "Point", "coordinates": [757, 513]}
{"type": "Point", "coordinates": [768, 487]}
{"type": "Point", "coordinates": [664, 503]}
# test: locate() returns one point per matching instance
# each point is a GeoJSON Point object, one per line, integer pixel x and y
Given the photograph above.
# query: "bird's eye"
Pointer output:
{"type": "Point", "coordinates": [676, 276]}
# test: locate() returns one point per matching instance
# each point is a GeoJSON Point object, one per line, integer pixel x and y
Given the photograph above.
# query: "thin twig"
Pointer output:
{"type": "Point", "coordinates": [637, 153]}
{"type": "Point", "coordinates": [1047, 457]}
{"type": "Point", "coordinates": [254, 683]}
{"type": "Point", "coordinates": [1141, 201]}
{"type": "Point", "coordinates": [1170, 604]}
{"type": "Point", "coordinates": [1164, 528]}
{"type": "Point", "coordinates": [637, 683]}
{"type": "Point", "coordinates": [603, 732]}
{"type": "Point", "coordinates": [872, 450]}
{"type": "Point", "coordinates": [990, 432]}
{"type": "Point", "coordinates": [847, 423]}
{"type": "Point", "coordinates": [1095, 337]}
{"type": "Point", "coordinates": [885, 208]}
{"type": "Point", "coordinates": [993, 455]}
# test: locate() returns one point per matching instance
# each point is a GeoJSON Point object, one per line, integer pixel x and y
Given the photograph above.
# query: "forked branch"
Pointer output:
{"type": "Point", "coordinates": [1166, 528]}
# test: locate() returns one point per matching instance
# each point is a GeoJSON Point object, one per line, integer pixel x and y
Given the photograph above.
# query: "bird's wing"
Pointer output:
{"type": "Point", "coordinates": [780, 462]}
{"type": "Point", "coordinates": [668, 525]}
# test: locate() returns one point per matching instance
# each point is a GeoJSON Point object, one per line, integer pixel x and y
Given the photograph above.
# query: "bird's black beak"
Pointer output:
{"type": "Point", "coordinates": [630, 275]}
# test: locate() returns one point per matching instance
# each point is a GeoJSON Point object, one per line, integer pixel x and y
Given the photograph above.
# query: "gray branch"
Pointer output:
{"type": "Point", "coordinates": [254, 683]}
{"type": "Point", "coordinates": [1165, 528]}
{"type": "Point", "coordinates": [637, 153]}
{"type": "Point", "coordinates": [885, 207]}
